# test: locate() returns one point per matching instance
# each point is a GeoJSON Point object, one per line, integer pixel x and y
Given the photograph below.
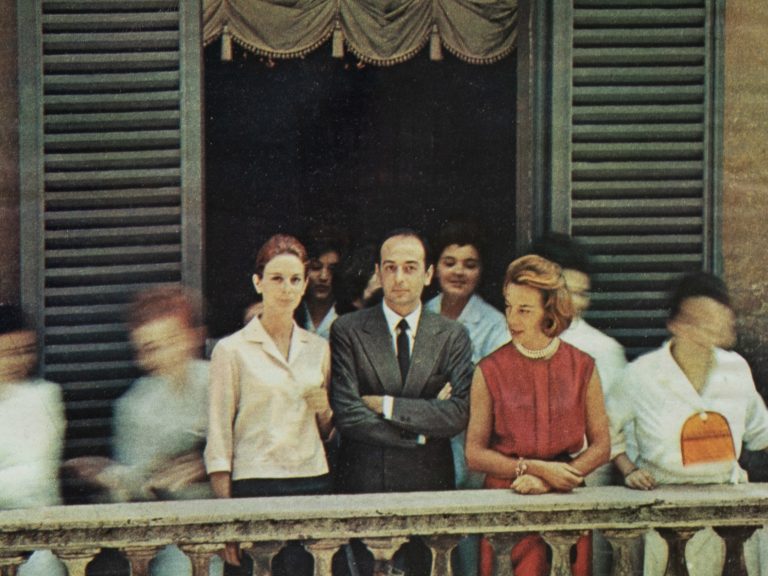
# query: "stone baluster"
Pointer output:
{"type": "Point", "coordinates": [561, 543]}
{"type": "Point", "coordinates": [677, 540]}
{"type": "Point", "coordinates": [76, 560]}
{"type": "Point", "coordinates": [502, 545]}
{"type": "Point", "coordinates": [323, 552]}
{"type": "Point", "coordinates": [734, 537]}
{"type": "Point", "coordinates": [10, 564]}
{"type": "Point", "coordinates": [383, 549]}
{"type": "Point", "coordinates": [139, 558]}
{"type": "Point", "coordinates": [262, 554]}
{"type": "Point", "coordinates": [200, 556]}
{"type": "Point", "coordinates": [441, 547]}
{"type": "Point", "coordinates": [624, 544]}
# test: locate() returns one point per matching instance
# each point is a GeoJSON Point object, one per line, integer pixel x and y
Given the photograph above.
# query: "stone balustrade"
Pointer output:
{"type": "Point", "coordinates": [323, 524]}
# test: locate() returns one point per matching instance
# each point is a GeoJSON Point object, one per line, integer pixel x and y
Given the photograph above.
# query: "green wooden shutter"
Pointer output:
{"type": "Point", "coordinates": [636, 150]}
{"type": "Point", "coordinates": [111, 183]}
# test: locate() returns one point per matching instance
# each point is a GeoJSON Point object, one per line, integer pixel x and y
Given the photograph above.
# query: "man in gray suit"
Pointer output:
{"type": "Point", "coordinates": [400, 381]}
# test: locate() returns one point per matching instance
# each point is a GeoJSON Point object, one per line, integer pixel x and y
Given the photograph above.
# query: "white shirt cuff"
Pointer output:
{"type": "Point", "coordinates": [387, 407]}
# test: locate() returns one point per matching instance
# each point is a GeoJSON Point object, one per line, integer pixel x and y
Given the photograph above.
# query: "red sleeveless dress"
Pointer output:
{"type": "Point", "coordinates": [539, 412]}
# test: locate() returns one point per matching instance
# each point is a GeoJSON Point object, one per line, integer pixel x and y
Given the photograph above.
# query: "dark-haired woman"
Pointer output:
{"type": "Point", "coordinates": [269, 410]}
{"type": "Point", "coordinates": [459, 271]}
{"type": "Point", "coordinates": [520, 390]}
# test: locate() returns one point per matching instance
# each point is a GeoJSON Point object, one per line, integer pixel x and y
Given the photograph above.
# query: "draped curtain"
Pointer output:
{"type": "Point", "coordinates": [380, 32]}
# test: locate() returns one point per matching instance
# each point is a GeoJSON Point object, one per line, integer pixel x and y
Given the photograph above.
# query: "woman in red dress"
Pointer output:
{"type": "Point", "coordinates": [537, 419]}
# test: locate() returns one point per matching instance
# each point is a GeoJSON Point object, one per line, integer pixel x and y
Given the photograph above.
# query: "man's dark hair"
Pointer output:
{"type": "Point", "coordinates": [406, 232]}
{"type": "Point", "coordinates": [697, 285]}
{"type": "Point", "coordinates": [461, 233]}
{"type": "Point", "coordinates": [563, 250]}
{"type": "Point", "coordinates": [11, 319]}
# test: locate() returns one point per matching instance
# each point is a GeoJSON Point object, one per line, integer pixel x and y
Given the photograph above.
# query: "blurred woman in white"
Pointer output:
{"type": "Point", "coordinates": [693, 405]}
{"type": "Point", "coordinates": [32, 427]}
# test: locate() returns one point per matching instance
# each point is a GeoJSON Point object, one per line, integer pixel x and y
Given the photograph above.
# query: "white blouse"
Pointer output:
{"type": "Point", "coordinates": [259, 424]}
{"type": "Point", "coordinates": [657, 397]}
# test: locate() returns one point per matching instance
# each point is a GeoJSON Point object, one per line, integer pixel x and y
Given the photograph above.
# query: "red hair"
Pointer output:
{"type": "Point", "coordinates": [161, 302]}
{"type": "Point", "coordinates": [277, 245]}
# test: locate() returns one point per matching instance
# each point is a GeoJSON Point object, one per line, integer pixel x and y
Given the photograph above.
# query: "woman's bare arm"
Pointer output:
{"type": "Point", "coordinates": [598, 450]}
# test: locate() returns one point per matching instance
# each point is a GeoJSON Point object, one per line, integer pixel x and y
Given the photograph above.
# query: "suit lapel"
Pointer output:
{"type": "Point", "coordinates": [425, 353]}
{"type": "Point", "coordinates": [381, 352]}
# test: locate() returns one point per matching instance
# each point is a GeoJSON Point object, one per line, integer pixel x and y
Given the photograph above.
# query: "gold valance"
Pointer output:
{"type": "Point", "coordinates": [381, 32]}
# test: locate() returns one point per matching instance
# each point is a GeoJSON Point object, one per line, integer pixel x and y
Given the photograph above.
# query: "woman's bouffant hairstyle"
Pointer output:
{"type": "Point", "coordinates": [547, 278]}
{"type": "Point", "coordinates": [461, 233]}
{"type": "Point", "coordinates": [161, 302]}
{"type": "Point", "coordinates": [277, 245]}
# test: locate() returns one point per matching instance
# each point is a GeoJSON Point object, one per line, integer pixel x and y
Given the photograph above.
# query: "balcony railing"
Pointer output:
{"type": "Point", "coordinates": [384, 522]}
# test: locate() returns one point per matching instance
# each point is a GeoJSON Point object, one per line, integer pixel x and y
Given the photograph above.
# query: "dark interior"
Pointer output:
{"type": "Point", "coordinates": [321, 143]}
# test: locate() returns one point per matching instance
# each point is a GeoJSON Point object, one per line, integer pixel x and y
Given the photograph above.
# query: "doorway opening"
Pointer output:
{"type": "Point", "coordinates": [317, 142]}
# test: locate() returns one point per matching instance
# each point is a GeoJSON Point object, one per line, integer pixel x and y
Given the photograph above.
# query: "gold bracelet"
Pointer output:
{"type": "Point", "coordinates": [521, 467]}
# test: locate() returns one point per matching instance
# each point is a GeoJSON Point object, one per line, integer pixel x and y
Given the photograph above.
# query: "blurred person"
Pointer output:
{"type": "Point", "coordinates": [269, 409]}
{"type": "Point", "coordinates": [160, 422]}
{"type": "Point", "coordinates": [693, 405]}
{"type": "Point", "coordinates": [459, 271]}
{"type": "Point", "coordinates": [533, 403]}
{"type": "Point", "coordinates": [400, 384]}
{"type": "Point", "coordinates": [574, 260]}
{"type": "Point", "coordinates": [32, 426]}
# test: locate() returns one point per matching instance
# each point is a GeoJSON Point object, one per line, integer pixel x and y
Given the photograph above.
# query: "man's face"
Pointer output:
{"type": "Point", "coordinates": [320, 276]}
{"type": "Point", "coordinates": [706, 322]}
{"type": "Point", "coordinates": [403, 273]}
{"type": "Point", "coordinates": [18, 354]}
{"type": "Point", "coordinates": [578, 286]}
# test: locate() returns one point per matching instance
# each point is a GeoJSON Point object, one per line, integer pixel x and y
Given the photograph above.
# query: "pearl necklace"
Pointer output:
{"type": "Point", "coordinates": [546, 352]}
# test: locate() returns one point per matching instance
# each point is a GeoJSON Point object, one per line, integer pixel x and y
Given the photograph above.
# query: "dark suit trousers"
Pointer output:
{"type": "Point", "coordinates": [367, 468]}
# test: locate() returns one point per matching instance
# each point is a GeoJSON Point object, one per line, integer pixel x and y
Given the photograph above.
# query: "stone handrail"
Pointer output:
{"type": "Point", "coordinates": [384, 521]}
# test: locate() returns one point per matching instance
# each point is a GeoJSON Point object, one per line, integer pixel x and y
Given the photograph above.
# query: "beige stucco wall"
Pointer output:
{"type": "Point", "coordinates": [9, 171]}
{"type": "Point", "coordinates": [745, 198]}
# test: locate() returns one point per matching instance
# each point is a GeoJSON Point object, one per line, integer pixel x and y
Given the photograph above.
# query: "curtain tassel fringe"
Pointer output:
{"type": "Point", "coordinates": [435, 47]}
{"type": "Point", "coordinates": [226, 45]}
{"type": "Point", "coordinates": [337, 43]}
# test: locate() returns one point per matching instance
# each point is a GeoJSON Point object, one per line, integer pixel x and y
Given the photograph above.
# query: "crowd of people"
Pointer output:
{"type": "Point", "coordinates": [343, 380]}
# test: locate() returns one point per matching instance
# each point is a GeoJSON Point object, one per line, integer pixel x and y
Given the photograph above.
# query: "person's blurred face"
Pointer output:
{"type": "Point", "coordinates": [165, 345]}
{"type": "Point", "coordinates": [403, 273]}
{"type": "Point", "coordinates": [458, 271]}
{"type": "Point", "coordinates": [579, 286]}
{"type": "Point", "coordinates": [320, 276]}
{"type": "Point", "coordinates": [524, 309]}
{"type": "Point", "coordinates": [18, 355]}
{"type": "Point", "coordinates": [282, 284]}
{"type": "Point", "coordinates": [706, 322]}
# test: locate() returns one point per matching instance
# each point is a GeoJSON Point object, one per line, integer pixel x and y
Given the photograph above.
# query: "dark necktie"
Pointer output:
{"type": "Point", "coordinates": [403, 348]}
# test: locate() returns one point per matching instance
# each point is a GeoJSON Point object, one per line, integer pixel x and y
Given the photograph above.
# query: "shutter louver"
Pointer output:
{"type": "Point", "coordinates": [112, 169]}
{"type": "Point", "coordinates": [639, 172]}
